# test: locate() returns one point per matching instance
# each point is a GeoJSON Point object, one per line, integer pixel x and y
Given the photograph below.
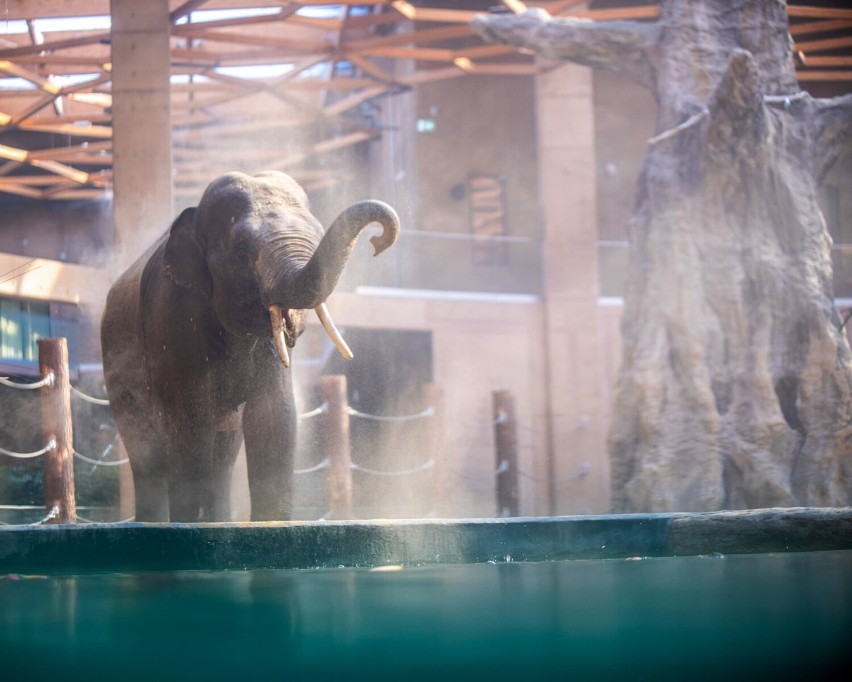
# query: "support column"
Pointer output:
{"type": "Point", "coordinates": [142, 135]}
{"type": "Point", "coordinates": [579, 464]}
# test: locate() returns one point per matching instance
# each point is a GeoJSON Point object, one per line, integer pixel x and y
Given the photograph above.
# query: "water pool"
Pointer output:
{"type": "Point", "coordinates": [724, 616]}
{"type": "Point", "coordinates": [738, 617]}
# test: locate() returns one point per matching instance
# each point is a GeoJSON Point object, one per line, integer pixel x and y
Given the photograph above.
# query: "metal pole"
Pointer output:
{"type": "Point", "coordinates": [506, 448]}
{"type": "Point", "coordinates": [56, 426]}
{"type": "Point", "coordinates": [338, 446]}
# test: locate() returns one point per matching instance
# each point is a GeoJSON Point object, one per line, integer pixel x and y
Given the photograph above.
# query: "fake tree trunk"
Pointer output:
{"type": "Point", "coordinates": [735, 388]}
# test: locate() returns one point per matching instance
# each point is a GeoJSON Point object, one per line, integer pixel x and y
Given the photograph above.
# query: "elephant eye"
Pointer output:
{"type": "Point", "coordinates": [241, 250]}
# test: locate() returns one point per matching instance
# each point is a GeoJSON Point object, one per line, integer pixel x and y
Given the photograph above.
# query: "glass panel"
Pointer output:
{"type": "Point", "coordinates": [39, 319]}
{"type": "Point", "coordinates": [11, 330]}
{"type": "Point", "coordinates": [22, 324]}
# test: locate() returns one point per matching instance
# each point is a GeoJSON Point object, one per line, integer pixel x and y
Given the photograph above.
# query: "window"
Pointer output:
{"type": "Point", "coordinates": [22, 324]}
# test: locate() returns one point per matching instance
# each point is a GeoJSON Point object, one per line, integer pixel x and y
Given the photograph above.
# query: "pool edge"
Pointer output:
{"type": "Point", "coordinates": [134, 546]}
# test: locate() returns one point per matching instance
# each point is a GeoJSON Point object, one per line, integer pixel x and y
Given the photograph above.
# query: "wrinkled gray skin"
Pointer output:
{"type": "Point", "coordinates": [189, 362]}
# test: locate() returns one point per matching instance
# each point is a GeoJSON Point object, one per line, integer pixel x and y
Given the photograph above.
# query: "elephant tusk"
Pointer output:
{"type": "Point", "coordinates": [332, 331]}
{"type": "Point", "coordinates": [278, 334]}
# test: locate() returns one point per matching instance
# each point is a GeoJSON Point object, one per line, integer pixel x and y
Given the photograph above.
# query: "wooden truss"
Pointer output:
{"type": "Point", "coordinates": [315, 76]}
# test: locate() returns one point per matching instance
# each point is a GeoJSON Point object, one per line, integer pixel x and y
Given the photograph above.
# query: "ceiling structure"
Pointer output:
{"type": "Point", "coordinates": [280, 84]}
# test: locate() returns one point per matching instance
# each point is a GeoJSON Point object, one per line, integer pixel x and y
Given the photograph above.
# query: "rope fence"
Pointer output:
{"type": "Point", "coordinates": [337, 465]}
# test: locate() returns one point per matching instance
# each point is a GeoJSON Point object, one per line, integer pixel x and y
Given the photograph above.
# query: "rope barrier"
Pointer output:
{"type": "Point", "coordinates": [101, 463]}
{"type": "Point", "coordinates": [322, 409]}
{"type": "Point", "coordinates": [428, 412]}
{"type": "Point", "coordinates": [502, 468]}
{"type": "Point", "coordinates": [429, 464]}
{"type": "Point", "coordinates": [324, 464]}
{"type": "Point", "coordinates": [28, 455]}
{"type": "Point", "coordinates": [88, 398]}
{"type": "Point", "coordinates": [52, 514]}
{"type": "Point", "coordinates": [785, 100]}
{"type": "Point", "coordinates": [584, 470]}
{"type": "Point", "coordinates": [671, 132]}
{"type": "Point", "coordinates": [47, 381]}
{"type": "Point", "coordinates": [85, 520]}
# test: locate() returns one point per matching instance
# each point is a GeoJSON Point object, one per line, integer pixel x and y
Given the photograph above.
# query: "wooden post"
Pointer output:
{"type": "Point", "coordinates": [436, 439]}
{"type": "Point", "coordinates": [506, 448]}
{"type": "Point", "coordinates": [56, 425]}
{"type": "Point", "coordinates": [337, 446]}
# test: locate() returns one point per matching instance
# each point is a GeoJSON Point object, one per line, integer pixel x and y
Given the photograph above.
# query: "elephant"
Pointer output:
{"type": "Point", "coordinates": [195, 337]}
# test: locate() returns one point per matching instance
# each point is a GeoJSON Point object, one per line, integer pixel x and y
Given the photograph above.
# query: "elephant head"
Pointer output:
{"type": "Point", "coordinates": [253, 248]}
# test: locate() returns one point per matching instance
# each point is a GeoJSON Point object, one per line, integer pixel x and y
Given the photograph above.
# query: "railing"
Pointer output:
{"type": "Point", "coordinates": [58, 453]}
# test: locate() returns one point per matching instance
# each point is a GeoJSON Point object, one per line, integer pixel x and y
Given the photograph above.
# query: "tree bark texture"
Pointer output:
{"type": "Point", "coordinates": [735, 389]}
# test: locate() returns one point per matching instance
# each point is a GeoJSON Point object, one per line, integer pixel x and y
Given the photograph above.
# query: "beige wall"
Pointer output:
{"type": "Point", "coordinates": [42, 279]}
{"type": "Point", "coordinates": [478, 347]}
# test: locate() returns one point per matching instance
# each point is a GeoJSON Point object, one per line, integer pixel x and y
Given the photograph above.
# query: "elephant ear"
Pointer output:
{"type": "Point", "coordinates": [184, 260]}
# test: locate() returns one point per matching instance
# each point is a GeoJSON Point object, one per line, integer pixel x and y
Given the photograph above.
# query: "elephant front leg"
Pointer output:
{"type": "Point", "coordinates": [269, 429]}
{"type": "Point", "coordinates": [200, 479]}
{"type": "Point", "coordinates": [152, 497]}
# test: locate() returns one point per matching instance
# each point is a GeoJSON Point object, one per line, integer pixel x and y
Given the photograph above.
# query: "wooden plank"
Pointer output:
{"type": "Point", "coordinates": [811, 61]}
{"type": "Point", "coordinates": [445, 16]}
{"type": "Point", "coordinates": [43, 84]}
{"type": "Point", "coordinates": [617, 13]}
{"type": "Point", "coordinates": [96, 131]}
{"type": "Point", "coordinates": [807, 76]}
{"type": "Point", "coordinates": [431, 75]}
{"type": "Point", "coordinates": [423, 53]}
{"type": "Point", "coordinates": [20, 190]}
{"type": "Point", "coordinates": [62, 169]}
{"type": "Point", "coordinates": [497, 69]}
{"type": "Point", "coordinates": [421, 36]}
{"type": "Point", "coordinates": [48, 9]}
{"type": "Point", "coordinates": [354, 100]}
{"type": "Point", "coordinates": [88, 39]}
{"type": "Point", "coordinates": [820, 27]}
{"type": "Point", "coordinates": [368, 67]}
{"type": "Point", "coordinates": [818, 12]}
{"type": "Point", "coordinates": [485, 51]}
{"type": "Point", "coordinates": [183, 10]}
{"type": "Point", "coordinates": [287, 46]}
{"type": "Point", "coordinates": [825, 44]}
{"type": "Point", "coordinates": [87, 194]}
{"type": "Point", "coordinates": [342, 141]}
{"type": "Point", "coordinates": [59, 153]}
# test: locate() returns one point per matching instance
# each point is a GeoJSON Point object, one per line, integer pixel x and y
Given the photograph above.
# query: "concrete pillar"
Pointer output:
{"type": "Point", "coordinates": [573, 332]}
{"type": "Point", "coordinates": [142, 140]}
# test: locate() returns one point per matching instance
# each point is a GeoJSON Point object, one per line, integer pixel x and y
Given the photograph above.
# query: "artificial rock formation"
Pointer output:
{"type": "Point", "coordinates": [735, 389]}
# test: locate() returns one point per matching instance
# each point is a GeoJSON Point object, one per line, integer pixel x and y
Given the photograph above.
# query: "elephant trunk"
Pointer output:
{"type": "Point", "coordinates": [314, 284]}
{"type": "Point", "coordinates": [317, 279]}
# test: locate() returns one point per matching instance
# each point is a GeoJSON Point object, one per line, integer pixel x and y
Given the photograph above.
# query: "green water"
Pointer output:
{"type": "Point", "coordinates": [740, 617]}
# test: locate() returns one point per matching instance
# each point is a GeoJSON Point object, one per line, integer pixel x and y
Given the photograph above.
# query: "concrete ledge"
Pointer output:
{"type": "Point", "coordinates": [761, 530]}
{"type": "Point", "coordinates": [136, 546]}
